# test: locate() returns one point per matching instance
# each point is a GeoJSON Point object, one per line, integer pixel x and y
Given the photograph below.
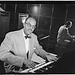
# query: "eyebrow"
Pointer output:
{"type": "Point", "coordinates": [31, 24]}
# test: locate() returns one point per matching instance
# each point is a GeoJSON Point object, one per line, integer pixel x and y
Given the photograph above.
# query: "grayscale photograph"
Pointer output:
{"type": "Point", "coordinates": [37, 37]}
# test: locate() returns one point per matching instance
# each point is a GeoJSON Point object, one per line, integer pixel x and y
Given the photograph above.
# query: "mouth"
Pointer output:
{"type": "Point", "coordinates": [29, 30]}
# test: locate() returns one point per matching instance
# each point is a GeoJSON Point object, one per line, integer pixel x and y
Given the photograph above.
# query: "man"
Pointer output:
{"type": "Point", "coordinates": [64, 38]}
{"type": "Point", "coordinates": [18, 47]}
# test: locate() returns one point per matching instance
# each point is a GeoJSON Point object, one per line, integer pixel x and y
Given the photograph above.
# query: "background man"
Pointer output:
{"type": "Point", "coordinates": [64, 38]}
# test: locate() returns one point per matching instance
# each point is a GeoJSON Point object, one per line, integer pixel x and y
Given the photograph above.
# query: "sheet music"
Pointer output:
{"type": "Point", "coordinates": [37, 58]}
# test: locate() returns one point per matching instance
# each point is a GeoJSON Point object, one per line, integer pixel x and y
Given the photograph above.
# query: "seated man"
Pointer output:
{"type": "Point", "coordinates": [64, 38]}
{"type": "Point", "coordinates": [18, 47]}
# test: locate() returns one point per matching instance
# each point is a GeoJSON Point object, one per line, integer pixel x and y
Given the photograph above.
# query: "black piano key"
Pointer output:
{"type": "Point", "coordinates": [37, 71]}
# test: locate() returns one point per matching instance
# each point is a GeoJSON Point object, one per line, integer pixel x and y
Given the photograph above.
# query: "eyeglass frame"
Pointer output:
{"type": "Point", "coordinates": [29, 25]}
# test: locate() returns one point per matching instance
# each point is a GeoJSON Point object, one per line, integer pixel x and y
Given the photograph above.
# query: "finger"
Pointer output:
{"type": "Point", "coordinates": [34, 63]}
{"type": "Point", "coordinates": [31, 65]}
{"type": "Point", "coordinates": [27, 65]}
{"type": "Point", "coordinates": [55, 59]}
{"type": "Point", "coordinates": [52, 59]}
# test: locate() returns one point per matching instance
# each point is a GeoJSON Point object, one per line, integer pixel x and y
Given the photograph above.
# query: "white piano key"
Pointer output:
{"type": "Point", "coordinates": [27, 70]}
{"type": "Point", "coordinates": [41, 66]}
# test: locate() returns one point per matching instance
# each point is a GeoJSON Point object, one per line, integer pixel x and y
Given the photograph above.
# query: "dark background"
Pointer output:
{"type": "Point", "coordinates": [50, 16]}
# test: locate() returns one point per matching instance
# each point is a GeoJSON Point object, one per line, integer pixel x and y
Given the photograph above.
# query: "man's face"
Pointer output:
{"type": "Point", "coordinates": [29, 26]}
{"type": "Point", "coordinates": [70, 25]}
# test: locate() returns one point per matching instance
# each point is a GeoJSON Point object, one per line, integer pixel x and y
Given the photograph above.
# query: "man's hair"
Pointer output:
{"type": "Point", "coordinates": [32, 20]}
{"type": "Point", "coordinates": [68, 23]}
{"type": "Point", "coordinates": [29, 18]}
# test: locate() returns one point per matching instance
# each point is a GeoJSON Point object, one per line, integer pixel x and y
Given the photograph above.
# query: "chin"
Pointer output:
{"type": "Point", "coordinates": [29, 33]}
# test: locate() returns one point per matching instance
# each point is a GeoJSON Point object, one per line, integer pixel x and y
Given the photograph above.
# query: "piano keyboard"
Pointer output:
{"type": "Point", "coordinates": [37, 67]}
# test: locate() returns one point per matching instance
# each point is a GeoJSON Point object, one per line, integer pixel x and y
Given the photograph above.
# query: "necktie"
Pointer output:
{"type": "Point", "coordinates": [27, 54]}
{"type": "Point", "coordinates": [27, 36]}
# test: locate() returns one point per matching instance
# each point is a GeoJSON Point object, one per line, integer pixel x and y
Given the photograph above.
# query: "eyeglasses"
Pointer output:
{"type": "Point", "coordinates": [29, 25]}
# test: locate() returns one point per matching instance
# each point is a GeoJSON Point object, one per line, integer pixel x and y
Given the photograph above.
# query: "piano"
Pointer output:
{"type": "Point", "coordinates": [39, 68]}
{"type": "Point", "coordinates": [42, 66]}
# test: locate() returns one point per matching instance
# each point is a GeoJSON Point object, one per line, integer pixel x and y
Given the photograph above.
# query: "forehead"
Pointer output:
{"type": "Point", "coordinates": [32, 21]}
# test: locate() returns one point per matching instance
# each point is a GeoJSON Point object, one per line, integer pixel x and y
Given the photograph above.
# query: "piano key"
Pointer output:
{"type": "Point", "coordinates": [27, 70]}
{"type": "Point", "coordinates": [41, 66]}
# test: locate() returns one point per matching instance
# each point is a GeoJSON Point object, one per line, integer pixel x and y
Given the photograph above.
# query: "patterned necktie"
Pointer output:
{"type": "Point", "coordinates": [27, 54]}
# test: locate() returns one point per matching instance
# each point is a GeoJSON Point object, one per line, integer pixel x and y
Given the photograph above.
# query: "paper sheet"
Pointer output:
{"type": "Point", "coordinates": [37, 58]}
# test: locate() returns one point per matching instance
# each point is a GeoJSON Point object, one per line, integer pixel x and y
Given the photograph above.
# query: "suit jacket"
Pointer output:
{"type": "Point", "coordinates": [14, 41]}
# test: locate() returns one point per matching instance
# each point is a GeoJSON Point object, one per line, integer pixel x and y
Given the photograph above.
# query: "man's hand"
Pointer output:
{"type": "Point", "coordinates": [29, 64]}
{"type": "Point", "coordinates": [73, 36]}
{"type": "Point", "coordinates": [51, 57]}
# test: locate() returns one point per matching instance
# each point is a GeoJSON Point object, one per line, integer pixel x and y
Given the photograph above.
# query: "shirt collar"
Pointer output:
{"type": "Point", "coordinates": [23, 32]}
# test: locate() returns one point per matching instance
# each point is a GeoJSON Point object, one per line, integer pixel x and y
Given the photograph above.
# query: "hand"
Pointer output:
{"type": "Point", "coordinates": [73, 36]}
{"type": "Point", "coordinates": [30, 64]}
{"type": "Point", "coordinates": [51, 57]}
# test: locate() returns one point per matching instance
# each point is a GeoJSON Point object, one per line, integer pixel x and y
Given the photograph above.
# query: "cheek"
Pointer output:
{"type": "Point", "coordinates": [24, 26]}
{"type": "Point", "coordinates": [32, 29]}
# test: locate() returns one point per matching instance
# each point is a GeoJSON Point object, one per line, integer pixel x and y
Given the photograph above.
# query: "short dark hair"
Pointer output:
{"type": "Point", "coordinates": [68, 23]}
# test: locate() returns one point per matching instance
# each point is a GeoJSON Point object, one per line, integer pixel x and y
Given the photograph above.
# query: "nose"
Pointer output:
{"type": "Point", "coordinates": [31, 29]}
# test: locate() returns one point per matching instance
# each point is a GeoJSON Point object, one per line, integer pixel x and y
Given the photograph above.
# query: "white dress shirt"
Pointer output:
{"type": "Point", "coordinates": [26, 42]}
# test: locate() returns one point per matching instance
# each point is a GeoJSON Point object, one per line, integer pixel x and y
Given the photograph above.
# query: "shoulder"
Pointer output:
{"type": "Point", "coordinates": [33, 35]}
{"type": "Point", "coordinates": [12, 33]}
{"type": "Point", "coordinates": [62, 28]}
